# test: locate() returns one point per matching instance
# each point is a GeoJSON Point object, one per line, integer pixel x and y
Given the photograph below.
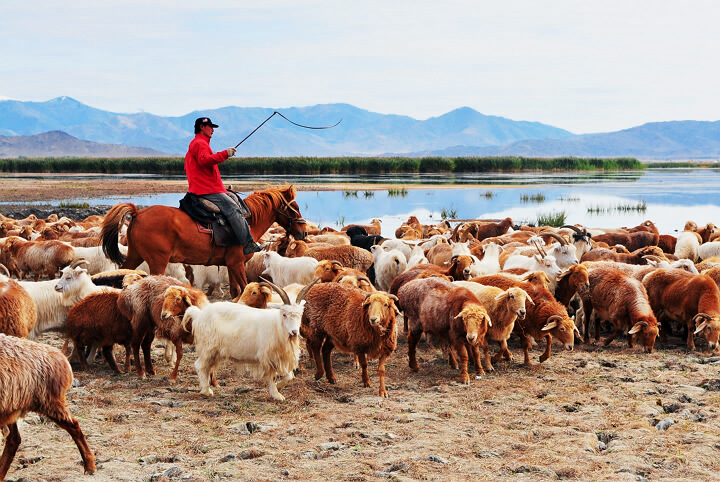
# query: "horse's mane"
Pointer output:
{"type": "Point", "coordinates": [262, 203]}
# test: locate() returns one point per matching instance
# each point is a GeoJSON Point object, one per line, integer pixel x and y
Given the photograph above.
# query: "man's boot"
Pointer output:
{"type": "Point", "coordinates": [241, 229]}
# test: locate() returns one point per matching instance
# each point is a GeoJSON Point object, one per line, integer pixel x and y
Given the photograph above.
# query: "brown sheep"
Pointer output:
{"type": "Point", "coordinates": [353, 321]}
{"type": "Point", "coordinates": [150, 306]}
{"type": "Point", "coordinates": [447, 312]}
{"type": "Point", "coordinates": [40, 257]}
{"type": "Point", "coordinates": [374, 228]}
{"type": "Point", "coordinates": [35, 378]}
{"type": "Point", "coordinates": [18, 313]}
{"type": "Point", "coordinates": [492, 230]}
{"type": "Point", "coordinates": [255, 294]}
{"type": "Point", "coordinates": [97, 321]}
{"type": "Point", "coordinates": [623, 301]}
{"type": "Point", "coordinates": [348, 256]}
{"type": "Point", "coordinates": [635, 257]}
{"type": "Point", "coordinates": [547, 318]}
{"type": "Point", "coordinates": [687, 298]}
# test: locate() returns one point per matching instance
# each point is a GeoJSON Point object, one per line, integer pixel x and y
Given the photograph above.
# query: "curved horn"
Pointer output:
{"type": "Point", "coordinates": [283, 295]}
{"type": "Point", "coordinates": [78, 262]}
{"type": "Point", "coordinates": [454, 258]}
{"type": "Point", "coordinates": [574, 228]}
{"type": "Point", "coordinates": [560, 239]}
{"type": "Point", "coordinates": [4, 268]}
{"type": "Point", "coordinates": [304, 291]}
{"type": "Point", "coordinates": [540, 249]}
{"type": "Point", "coordinates": [702, 316]}
{"type": "Point", "coordinates": [338, 263]}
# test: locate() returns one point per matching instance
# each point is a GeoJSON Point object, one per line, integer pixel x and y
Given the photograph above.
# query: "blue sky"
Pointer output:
{"type": "Point", "coordinates": [582, 66]}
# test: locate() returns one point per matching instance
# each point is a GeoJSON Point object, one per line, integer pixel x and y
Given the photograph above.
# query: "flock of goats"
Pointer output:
{"type": "Point", "coordinates": [464, 287]}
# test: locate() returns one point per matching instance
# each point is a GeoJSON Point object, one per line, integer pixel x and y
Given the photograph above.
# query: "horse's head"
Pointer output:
{"type": "Point", "coordinates": [289, 217]}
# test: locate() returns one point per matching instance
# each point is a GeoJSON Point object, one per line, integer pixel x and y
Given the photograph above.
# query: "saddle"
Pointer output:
{"type": "Point", "coordinates": [210, 220]}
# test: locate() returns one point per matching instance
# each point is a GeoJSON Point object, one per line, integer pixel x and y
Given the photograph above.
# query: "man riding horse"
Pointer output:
{"type": "Point", "coordinates": [203, 175]}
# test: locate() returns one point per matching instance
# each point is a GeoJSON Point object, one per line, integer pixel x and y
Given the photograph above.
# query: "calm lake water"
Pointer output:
{"type": "Point", "coordinates": [668, 197]}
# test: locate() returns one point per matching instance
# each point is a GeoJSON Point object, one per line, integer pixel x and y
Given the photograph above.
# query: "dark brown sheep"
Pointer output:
{"type": "Point", "coordinates": [449, 313]}
{"type": "Point", "coordinates": [690, 299]}
{"type": "Point", "coordinates": [353, 321]}
{"type": "Point", "coordinates": [622, 300]}
{"type": "Point", "coordinates": [97, 321]}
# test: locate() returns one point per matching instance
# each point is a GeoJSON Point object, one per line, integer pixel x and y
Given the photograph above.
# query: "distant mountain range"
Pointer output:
{"type": "Point", "coordinates": [29, 129]}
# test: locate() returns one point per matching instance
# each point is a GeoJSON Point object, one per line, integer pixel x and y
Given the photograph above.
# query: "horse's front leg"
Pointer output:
{"type": "Point", "coordinates": [238, 278]}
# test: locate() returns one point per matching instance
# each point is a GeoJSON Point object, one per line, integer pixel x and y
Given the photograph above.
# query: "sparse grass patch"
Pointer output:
{"type": "Point", "coordinates": [368, 194]}
{"type": "Point", "coordinates": [347, 194]}
{"type": "Point", "coordinates": [533, 198]}
{"type": "Point", "coordinates": [397, 192]}
{"type": "Point", "coordinates": [639, 207]}
{"type": "Point", "coordinates": [448, 213]}
{"type": "Point", "coordinates": [488, 194]}
{"type": "Point", "coordinates": [74, 205]}
{"type": "Point", "coordinates": [554, 219]}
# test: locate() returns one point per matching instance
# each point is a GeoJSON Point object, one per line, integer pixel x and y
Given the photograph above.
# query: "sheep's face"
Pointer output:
{"type": "Point", "coordinates": [327, 270]}
{"type": "Point", "coordinates": [537, 278]}
{"type": "Point", "coordinates": [549, 265]}
{"type": "Point", "coordinates": [646, 331]}
{"type": "Point", "coordinates": [710, 328]}
{"type": "Point", "coordinates": [515, 299]}
{"type": "Point", "coordinates": [563, 329]}
{"type": "Point", "coordinates": [70, 279]}
{"type": "Point", "coordinates": [256, 295]}
{"type": "Point", "coordinates": [475, 320]}
{"type": "Point", "coordinates": [463, 265]}
{"type": "Point", "coordinates": [380, 310]}
{"type": "Point", "coordinates": [291, 318]}
{"type": "Point", "coordinates": [566, 256]}
{"type": "Point", "coordinates": [177, 299]}
{"type": "Point", "coordinates": [579, 277]}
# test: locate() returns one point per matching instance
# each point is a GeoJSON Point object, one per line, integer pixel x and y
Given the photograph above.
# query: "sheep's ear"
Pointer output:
{"type": "Point", "coordinates": [702, 326]}
{"type": "Point", "coordinates": [549, 326]}
{"type": "Point", "coordinates": [637, 327]}
{"type": "Point", "coordinates": [366, 301]}
{"type": "Point", "coordinates": [501, 296]}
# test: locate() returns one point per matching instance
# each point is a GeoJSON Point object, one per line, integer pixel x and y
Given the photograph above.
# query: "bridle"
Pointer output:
{"type": "Point", "coordinates": [298, 219]}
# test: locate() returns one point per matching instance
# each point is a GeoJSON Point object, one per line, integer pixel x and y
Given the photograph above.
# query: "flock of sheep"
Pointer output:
{"type": "Point", "coordinates": [463, 287]}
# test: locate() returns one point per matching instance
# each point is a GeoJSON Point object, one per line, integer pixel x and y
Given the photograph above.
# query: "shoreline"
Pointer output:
{"type": "Point", "coordinates": [23, 191]}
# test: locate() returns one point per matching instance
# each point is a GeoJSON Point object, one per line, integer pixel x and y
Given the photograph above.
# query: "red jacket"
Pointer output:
{"type": "Point", "coordinates": [201, 167]}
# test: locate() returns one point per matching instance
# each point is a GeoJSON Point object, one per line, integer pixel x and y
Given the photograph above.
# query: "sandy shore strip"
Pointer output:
{"type": "Point", "coordinates": [40, 190]}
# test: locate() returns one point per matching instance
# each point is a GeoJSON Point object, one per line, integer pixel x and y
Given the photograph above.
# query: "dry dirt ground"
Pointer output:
{"type": "Point", "coordinates": [589, 414]}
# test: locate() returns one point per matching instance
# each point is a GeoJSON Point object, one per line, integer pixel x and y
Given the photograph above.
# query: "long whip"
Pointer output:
{"type": "Point", "coordinates": [295, 123]}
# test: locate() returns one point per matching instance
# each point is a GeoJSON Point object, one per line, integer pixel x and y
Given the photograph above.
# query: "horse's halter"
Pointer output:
{"type": "Point", "coordinates": [292, 219]}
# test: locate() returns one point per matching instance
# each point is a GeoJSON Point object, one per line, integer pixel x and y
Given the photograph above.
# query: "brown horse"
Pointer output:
{"type": "Point", "coordinates": [162, 234]}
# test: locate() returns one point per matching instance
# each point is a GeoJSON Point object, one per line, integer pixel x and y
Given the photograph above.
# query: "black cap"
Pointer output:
{"type": "Point", "coordinates": [204, 121]}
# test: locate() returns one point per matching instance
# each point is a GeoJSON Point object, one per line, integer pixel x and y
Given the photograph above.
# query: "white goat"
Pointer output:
{"type": "Point", "coordinates": [537, 262]}
{"type": "Point", "coordinates": [265, 343]}
{"type": "Point", "coordinates": [285, 271]}
{"type": "Point", "coordinates": [97, 262]}
{"type": "Point", "coordinates": [213, 276]}
{"type": "Point", "coordinates": [687, 246]}
{"type": "Point", "coordinates": [54, 298]}
{"type": "Point", "coordinates": [490, 264]}
{"type": "Point", "coordinates": [388, 264]}
{"type": "Point", "coordinates": [709, 250]}
{"type": "Point", "coordinates": [174, 270]}
{"type": "Point", "coordinates": [417, 256]}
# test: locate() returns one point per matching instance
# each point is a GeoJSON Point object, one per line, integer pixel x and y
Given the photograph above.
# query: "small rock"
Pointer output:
{"type": "Point", "coordinates": [227, 458]}
{"type": "Point", "coordinates": [601, 446]}
{"type": "Point", "coordinates": [665, 424]}
{"type": "Point", "coordinates": [329, 446]}
{"type": "Point", "coordinates": [172, 472]}
{"type": "Point", "coordinates": [240, 428]}
{"type": "Point", "coordinates": [522, 470]}
{"type": "Point", "coordinates": [76, 383]}
{"type": "Point", "coordinates": [308, 455]}
{"type": "Point", "coordinates": [438, 459]}
{"type": "Point", "coordinates": [608, 364]}
{"type": "Point", "coordinates": [250, 454]}
{"type": "Point", "coordinates": [384, 475]}
{"type": "Point", "coordinates": [713, 384]}
{"type": "Point", "coordinates": [684, 398]}
{"type": "Point", "coordinates": [399, 467]}
{"type": "Point", "coordinates": [671, 407]}
{"type": "Point", "coordinates": [284, 472]}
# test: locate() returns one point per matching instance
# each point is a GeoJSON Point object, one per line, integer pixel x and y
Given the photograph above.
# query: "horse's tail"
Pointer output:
{"type": "Point", "coordinates": [114, 219]}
